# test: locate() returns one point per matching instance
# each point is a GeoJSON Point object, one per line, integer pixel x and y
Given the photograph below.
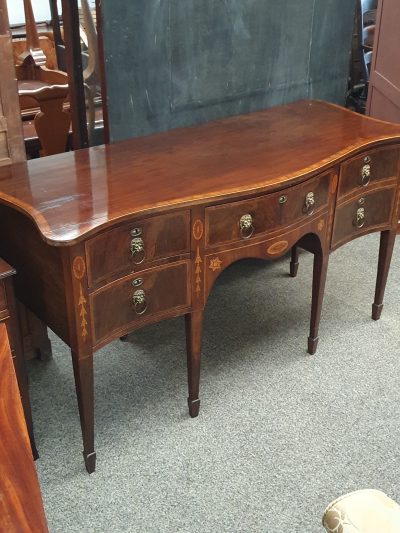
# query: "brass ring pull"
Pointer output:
{"type": "Point", "coordinates": [282, 199]}
{"type": "Point", "coordinates": [359, 219]}
{"type": "Point", "coordinates": [137, 250]}
{"type": "Point", "coordinates": [246, 226]}
{"type": "Point", "coordinates": [365, 175]}
{"type": "Point", "coordinates": [139, 302]}
{"type": "Point", "coordinates": [309, 204]}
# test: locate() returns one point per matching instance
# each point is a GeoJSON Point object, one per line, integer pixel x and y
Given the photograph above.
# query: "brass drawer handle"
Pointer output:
{"type": "Point", "coordinates": [137, 250]}
{"type": "Point", "coordinates": [365, 175]}
{"type": "Point", "coordinates": [139, 302]}
{"type": "Point", "coordinates": [359, 219]}
{"type": "Point", "coordinates": [309, 204]}
{"type": "Point", "coordinates": [246, 226]}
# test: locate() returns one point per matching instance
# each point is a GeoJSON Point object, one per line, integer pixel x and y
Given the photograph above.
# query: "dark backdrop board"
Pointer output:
{"type": "Point", "coordinates": [172, 63]}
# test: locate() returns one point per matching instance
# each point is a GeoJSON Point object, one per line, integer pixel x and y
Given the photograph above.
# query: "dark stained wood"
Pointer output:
{"type": "Point", "coordinates": [113, 307]}
{"type": "Point", "coordinates": [21, 506]}
{"type": "Point", "coordinates": [382, 164]}
{"type": "Point", "coordinates": [378, 212]}
{"type": "Point", "coordinates": [9, 315]}
{"type": "Point", "coordinates": [246, 155]}
{"type": "Point", "coordinates": [184, 193]}
{"type": "Point", "coordinates": [109, 254]}
{"type": "Point", "coordinates": [385, 256]}
{"type": "Point", "coordinates": [268, 212]}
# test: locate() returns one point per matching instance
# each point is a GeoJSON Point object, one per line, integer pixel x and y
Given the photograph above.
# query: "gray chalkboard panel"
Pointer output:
{"type": "Point", "coordinates": [171, 63]}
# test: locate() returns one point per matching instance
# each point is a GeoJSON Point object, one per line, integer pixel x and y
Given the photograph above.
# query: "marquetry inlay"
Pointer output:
{"type": "Point", "coordinates": [215, 264]}
{"type": "Point", "coordinates": [198, 262]}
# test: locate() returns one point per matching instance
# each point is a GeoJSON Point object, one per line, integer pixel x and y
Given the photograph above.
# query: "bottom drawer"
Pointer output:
{"type": "Point", "coordinates": [363, 214]}
{"type": "Point", "coordinates": [141, 297]}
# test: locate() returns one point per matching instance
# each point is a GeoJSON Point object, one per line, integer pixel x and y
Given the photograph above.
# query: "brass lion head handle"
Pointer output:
{"type": "Point", "coordinates": [359, 219]}
{"type": "Point", "coordinates": [139, 302]}
{"type": "Point", "coordinates": [309, 203]}
{"type": "Point", "coordinates": [137, 250]}
{"type": "Point", "coordinates": [365, 174]}
{"type": "Point", "coordinates": [246, 226]}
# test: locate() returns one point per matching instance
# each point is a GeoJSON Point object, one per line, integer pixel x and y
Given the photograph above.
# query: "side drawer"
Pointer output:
{"type": "Point", "coordinates": [139, 298]}
{"type": "Point", "coordinates": [249, 219]}
{"type": "Point", "coordinates": [362, 215]}
{"type": "Point", "coordinates": [134, 245]}
{"type": "Point", "coordinates": [361, 171]}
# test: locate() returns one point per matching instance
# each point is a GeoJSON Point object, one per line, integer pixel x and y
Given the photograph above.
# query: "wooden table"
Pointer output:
{"type": "Point", "coordinates": [21, 506]}
{"type": "Point", "coordinates": [109, 239]}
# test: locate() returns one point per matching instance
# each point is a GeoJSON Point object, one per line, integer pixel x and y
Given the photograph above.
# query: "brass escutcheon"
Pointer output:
{"type": "Point", "coordinates": [136, 232]}
{"type": "Point", "coordinates": [136, 282]}
{"type": "Point", "coordinates": [309, 203]}
{"type": "Point", "coordinates": [282, 199]}
{"type": "Point", "coordinates": [139, 302]}
{"type": "Point", "coordinates": [246, 226]}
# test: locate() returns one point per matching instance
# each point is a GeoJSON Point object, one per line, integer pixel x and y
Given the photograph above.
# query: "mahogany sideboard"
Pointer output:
{"type": "Point", "coordinates": [21, 506]}
{"type": "Point", "coordinates": [108, 239]}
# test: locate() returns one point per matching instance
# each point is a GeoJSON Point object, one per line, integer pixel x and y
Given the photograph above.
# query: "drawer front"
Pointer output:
{"type": "Point", "coordinates": [358, 173]}
{"type": "Point", "coordinates": [139, 298]}
{"type": "Point", "coordinates": [134, 245]}
{"type": "Point", "coordinates": [241, 221]}
{"type": "Point", "coordinates": [363, 214]}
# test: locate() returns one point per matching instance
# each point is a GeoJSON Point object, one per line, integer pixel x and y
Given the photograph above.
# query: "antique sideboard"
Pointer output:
{"type": "Point", "coordinates": [108, 239]}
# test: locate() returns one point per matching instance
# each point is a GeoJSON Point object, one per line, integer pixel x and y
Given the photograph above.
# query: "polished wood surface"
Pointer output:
{"type": "Point", "coordinates": [250, 154]}
{"type": "Point", "coordinates": [112, 238]}
{"type": "Point", "coordinates": [21, 507]}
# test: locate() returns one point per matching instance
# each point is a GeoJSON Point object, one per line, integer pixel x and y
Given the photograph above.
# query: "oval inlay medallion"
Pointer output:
{"type": "Point", "coordinates": [198, 230]}
{"type": "Point", "coordinates": [277, 247]}
{"type": "Point", "coordinates": [78, 266]}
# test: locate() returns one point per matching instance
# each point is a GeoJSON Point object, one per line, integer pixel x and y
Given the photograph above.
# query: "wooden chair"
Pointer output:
{"type": "Point", "coordinates": [42, 92]}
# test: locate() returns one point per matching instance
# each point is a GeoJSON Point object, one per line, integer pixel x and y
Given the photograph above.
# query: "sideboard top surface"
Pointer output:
{"type": "Point", "coordinates": [74, 194]}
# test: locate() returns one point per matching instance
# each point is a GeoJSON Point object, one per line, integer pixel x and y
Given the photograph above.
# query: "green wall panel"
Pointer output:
{"type": "Point", "coordinates": [172, 63]}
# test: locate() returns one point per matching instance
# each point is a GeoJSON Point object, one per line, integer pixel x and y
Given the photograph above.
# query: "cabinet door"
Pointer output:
{"type": "Point", "coordinates": [384, 87]}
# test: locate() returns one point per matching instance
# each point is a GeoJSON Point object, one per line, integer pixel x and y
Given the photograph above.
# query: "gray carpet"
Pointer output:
{"type": "Point", "coordinates": [279, 434]}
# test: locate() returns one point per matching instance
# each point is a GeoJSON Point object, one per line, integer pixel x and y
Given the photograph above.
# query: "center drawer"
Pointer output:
{"type": "Point", "coordinates": [244, 220]}
{"type": "Point", "coordinates": [132, 246]}
{"type": "Point", "coordinates": [152, 294]}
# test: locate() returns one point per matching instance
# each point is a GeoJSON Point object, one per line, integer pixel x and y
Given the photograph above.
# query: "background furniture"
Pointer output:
{"type": "Point", "coordinates": [369, 511]}
{"type": "Point", "coordinates": [21, 507]}
{"type": "Point", "coordinates": [170, 212]}
{"type": "Point", "coordinates": [384, 93]}
{"type": "Point", "coordinates": [9, 316]}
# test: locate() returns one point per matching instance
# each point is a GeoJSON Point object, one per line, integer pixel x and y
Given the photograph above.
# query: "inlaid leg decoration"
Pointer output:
{"type": "Point", "coordinates": [294, 263]}
{"type": "Point", "coordinates": [194, 323]}
{"type": "Point", "coordinates": [319, 278]}
{"type": "Point", "coordinates": [83, 372]}
{"type": "Point", "coordinates": [385, 256]}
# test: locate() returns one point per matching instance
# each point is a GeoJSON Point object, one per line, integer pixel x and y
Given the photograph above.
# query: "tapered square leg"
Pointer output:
{"type": "Point", "coordinates": [194, 324]}
{"type": "Point", "coordinates": [294, 263]}
{"type": "Point", "coordinates": [320, 270]}
{"type": "Point", "coordinates": [83, 372]}
{"type": "Point", "coordinates": [385, 256]}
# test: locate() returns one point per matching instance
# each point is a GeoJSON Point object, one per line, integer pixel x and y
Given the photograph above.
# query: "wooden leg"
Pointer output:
{"type": "Point", "coordinates": [194, 323]}
{"type": "Point", "coordinates": [83, 372]}
{"type": "Point", "coordinates": [294, 263]}
{"type": "Point", "coordinates": [319, 277]}
{"type": "Point", "coordinates": [385, 256]}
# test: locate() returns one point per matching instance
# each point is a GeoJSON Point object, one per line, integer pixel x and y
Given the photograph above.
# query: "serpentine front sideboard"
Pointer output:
{"type": "Point", "coordinates": [108, 239]}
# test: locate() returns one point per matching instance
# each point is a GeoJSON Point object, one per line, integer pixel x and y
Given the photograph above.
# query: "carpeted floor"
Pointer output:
{"type": "Point", "coordinates": [279, 434]}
